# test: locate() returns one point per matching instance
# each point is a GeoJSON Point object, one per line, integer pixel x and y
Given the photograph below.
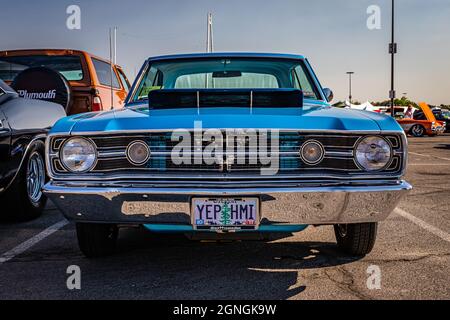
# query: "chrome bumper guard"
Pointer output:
{"type": "Point", "coordinates": [343, 203]}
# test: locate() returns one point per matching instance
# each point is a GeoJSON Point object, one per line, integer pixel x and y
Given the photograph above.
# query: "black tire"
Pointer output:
{"type": "Point", "coordinates": [18, 203]}
{"type": "Point", "coordinates": [356, 239]}
{"type": "Point", "coordinates": [417, 131]}
{"type": "Point", "coordinates": [97, 240]}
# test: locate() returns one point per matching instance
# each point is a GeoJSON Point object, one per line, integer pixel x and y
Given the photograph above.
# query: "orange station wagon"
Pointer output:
{"type": "Point", "coordinates": [88, 77]}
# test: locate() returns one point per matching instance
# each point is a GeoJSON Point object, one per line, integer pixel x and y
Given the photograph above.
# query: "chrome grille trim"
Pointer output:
{"type": "Point", "coordinates": [116, 152]}
{"type": "Point", "coordinates": [112, 155]}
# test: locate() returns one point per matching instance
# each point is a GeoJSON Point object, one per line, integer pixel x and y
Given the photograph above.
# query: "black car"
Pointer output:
{"type": "Point", "coordinates": [443, 115]}
{"type": "Point", "coordinates": [23, 128]}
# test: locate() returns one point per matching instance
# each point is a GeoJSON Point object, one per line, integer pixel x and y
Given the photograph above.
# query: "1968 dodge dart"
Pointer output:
{"type": "Point", "coordinates": [217, 145]}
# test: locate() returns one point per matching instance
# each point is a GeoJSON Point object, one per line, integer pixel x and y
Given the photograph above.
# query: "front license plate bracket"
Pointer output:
{"type": "Point", "coordinates": [225, 214]}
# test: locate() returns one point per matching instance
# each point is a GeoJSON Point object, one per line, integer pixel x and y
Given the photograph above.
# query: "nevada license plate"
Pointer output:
{"type": "Point", "coordinates": [225, 214]}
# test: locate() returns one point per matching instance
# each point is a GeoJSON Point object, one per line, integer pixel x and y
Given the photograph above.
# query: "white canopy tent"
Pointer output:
{"type": "Point", "coordinates": [366, 106]}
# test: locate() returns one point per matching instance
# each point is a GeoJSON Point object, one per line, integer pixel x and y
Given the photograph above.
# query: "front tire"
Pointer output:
{"type": "Point", "coordinates": [418, 131]}
{"type": "Point", "coordinates": [24, 200]}
{"type": "Point", "coordinates": [97, 240]}
{"type": "Point", "coordinates": [356, 239]}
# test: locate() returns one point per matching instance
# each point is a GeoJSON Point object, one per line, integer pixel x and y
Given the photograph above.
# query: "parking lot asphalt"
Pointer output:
{"type": "Point", "coordinates": [412, 254]}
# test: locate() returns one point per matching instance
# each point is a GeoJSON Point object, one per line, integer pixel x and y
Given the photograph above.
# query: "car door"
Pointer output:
{"type": "Point", "coordinates": [125, 86]}
{"type": "Point", "coordinates": [110, 92]}
{"type": "Point", "coordinates": [124, 80]}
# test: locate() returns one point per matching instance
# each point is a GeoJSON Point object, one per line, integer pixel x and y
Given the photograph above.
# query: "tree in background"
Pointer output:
{"type": "Point", "coordinates": [339, 104]}
{"type": "Point", "coordinates": [226, 216]}
{"type": "Point", "coordinates": [403, 102]}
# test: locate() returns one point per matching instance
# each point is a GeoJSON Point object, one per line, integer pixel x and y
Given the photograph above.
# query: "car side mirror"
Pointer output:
{"type": "Point", "coordinates": [328, 94]}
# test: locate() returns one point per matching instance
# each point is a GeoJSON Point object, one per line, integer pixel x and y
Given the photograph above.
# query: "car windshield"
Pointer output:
{"type": "Point", "coordinates": [69, 66]}
{"type": "Point", "coordinates": [226, 73]}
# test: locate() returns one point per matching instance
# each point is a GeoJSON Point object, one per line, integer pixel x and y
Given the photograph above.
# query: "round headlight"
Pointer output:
{"type": "Point", "coordinates": [373, 153]}
{"type": "Point", "coordinates": [312, 152]}
{"type": "Point", "coordinates": [78, 155]}
{"type": "Point", "coordinates": [138, 153]}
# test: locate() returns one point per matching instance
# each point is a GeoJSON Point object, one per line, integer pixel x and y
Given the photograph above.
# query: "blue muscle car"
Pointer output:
{"type": "Point", "coordinates": [217, 145]}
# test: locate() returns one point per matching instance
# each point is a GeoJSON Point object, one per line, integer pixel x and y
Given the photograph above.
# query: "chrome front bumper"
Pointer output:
{"type": "Point", "coordinates": [438, 129]}
{"type": "Point", "coordinates": [326, 204]}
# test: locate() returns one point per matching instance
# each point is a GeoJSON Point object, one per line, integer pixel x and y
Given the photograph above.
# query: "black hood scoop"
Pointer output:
{"type": "Point", "coordinates": [210, 98]}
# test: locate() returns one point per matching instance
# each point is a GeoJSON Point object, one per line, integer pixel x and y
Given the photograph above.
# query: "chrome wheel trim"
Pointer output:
{"type": "Point", "coordinates": [35, 177]}
{"type": "Point", "coordinates": [417, 131]}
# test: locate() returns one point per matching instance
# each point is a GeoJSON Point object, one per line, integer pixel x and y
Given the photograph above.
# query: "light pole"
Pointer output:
{"type": "Point", "coordinates": [393, 51]}
{"type": "Point", "coordinates": [209, 34]}
{"type": "Point", "coordinates": [350, 73]}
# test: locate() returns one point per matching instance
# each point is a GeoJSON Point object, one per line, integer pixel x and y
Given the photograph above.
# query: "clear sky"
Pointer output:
{"type": "Point", "coordinates": [332, 33]}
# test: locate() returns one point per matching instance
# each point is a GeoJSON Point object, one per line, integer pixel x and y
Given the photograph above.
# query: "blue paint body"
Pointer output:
{"type": "Point", "coordinates": [315, 115]}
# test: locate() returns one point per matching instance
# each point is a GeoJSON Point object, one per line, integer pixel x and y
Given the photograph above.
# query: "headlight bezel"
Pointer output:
{"type": "Point", "coordinates": [147, 148]}
{"type": "Point", "coordinates": [321, 147]}
{"type": "Point", "coordinates": [368, 170]}
{"type": "Point", "coordinates": [61, 155]}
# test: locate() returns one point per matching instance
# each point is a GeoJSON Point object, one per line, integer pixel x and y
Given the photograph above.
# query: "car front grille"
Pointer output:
{"type": "Point", "coordinates": [338, 159]}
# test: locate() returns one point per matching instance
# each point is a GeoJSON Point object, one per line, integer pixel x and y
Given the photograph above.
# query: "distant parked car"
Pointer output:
{"type": "Point", "coordinates": [24, 125]}
{"type": "Point", "coordinates": [422, 123]}
{"type": "Point", "coordinates": [84, 83]}
{"type": "Point", "coordinates": [443, 116]}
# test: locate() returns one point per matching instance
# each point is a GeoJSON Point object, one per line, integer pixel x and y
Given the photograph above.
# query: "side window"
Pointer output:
{"type": "Point", "coordinates": [302, 82]}
{"type": "Point", "coordinates": [70, 66]}
{"type": "Point", "coordinates": [103, 71]}
{"type": "Point", "coordinates": [124, 80]}
{"type": "Point", "coordinates": [419, 115]}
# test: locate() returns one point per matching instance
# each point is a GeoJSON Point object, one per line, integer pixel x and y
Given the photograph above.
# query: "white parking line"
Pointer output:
{"type": "Point", "coordinates": [437, 232]}
{"type": "Point", "coordinates": [428, 156]}
{"type": "Point", "coordinates": [430, 164]}
{"type": "Point", "coordinates": [21, 248]}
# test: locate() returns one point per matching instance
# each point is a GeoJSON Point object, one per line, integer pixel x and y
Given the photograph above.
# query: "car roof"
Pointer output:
{"type": "Point", "coordinates": [228, 55]}
{"type": "Point", "coordinates": [41, 51]}
{"type": "Point", "coordinates": [50, 52]}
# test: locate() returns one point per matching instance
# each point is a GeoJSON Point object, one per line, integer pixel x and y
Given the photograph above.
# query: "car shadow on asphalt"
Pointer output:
{"type": "Point", "coordinates": [173, 267]}
{"type": "Point", "coordinates": [442, 146]}
{"type": "Point", "coordinates": [8, 220]}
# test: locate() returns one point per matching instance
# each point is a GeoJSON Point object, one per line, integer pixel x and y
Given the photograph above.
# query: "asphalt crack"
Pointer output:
{"type": "Point", "coordinates": [415, 259]}
{"type": "Point", "coordinates": [347, 283]}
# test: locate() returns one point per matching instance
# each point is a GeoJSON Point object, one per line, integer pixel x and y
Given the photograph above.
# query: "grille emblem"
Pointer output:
{"type": "Point", "coordinates": [226, 164]}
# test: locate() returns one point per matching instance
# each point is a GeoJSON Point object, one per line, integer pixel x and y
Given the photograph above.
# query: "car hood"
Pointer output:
{"type": "Point", "coordinates": [310, 117]}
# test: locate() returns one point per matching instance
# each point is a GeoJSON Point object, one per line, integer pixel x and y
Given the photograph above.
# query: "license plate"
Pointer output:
{"type": "Point", "coordinates": [225, 214]}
